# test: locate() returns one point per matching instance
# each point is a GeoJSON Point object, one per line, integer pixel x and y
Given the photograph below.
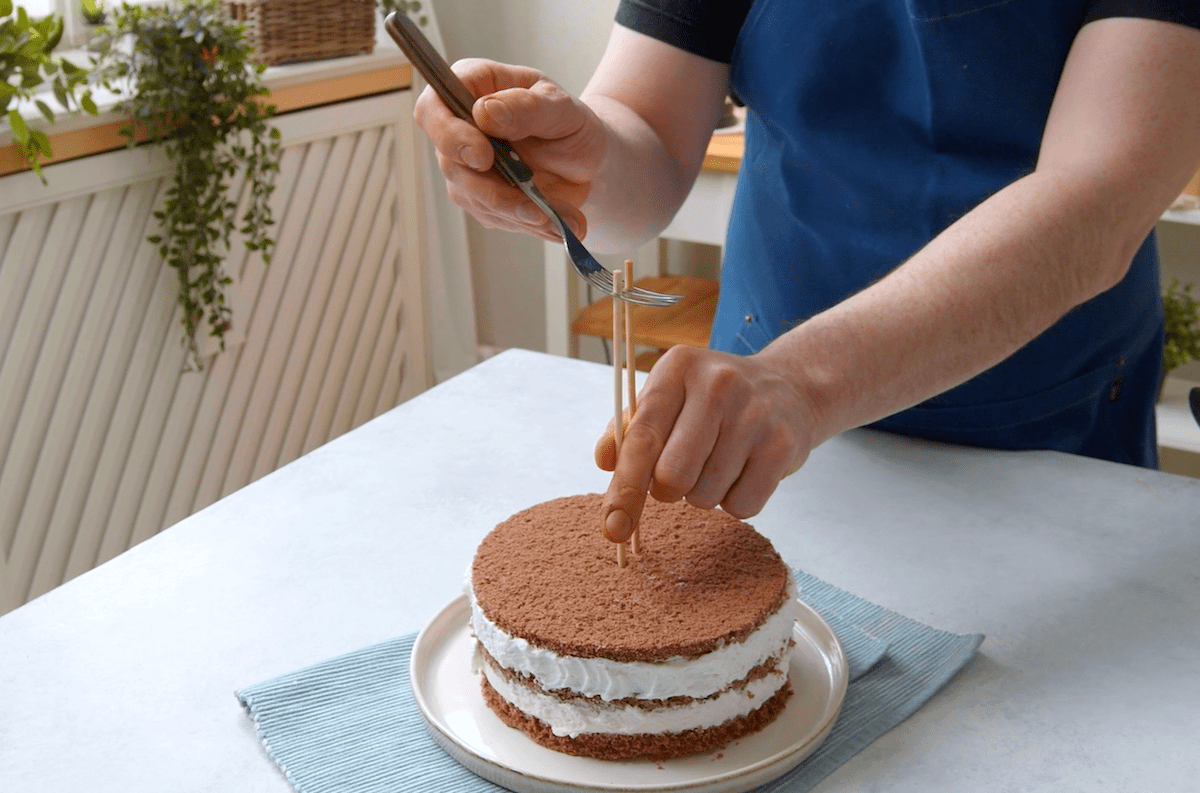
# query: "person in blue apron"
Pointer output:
{"type": "Point", "coordinates": [942, 225]}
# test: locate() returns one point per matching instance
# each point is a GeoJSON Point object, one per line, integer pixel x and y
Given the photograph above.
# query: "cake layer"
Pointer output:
{"type": "Point", "coordinates": [572, 716]}
{"type": "Point", "coordinates": [613, 680]}
{"type": "Point", "coordinates": [762, 670]}
{"type": "Point", "coordinates": [548, 576]}
{"type": "Point", "coordinates": [654, 746]}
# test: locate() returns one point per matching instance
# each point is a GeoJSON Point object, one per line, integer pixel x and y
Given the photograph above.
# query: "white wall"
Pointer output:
{"type": "Point", "coordinates": [565, 40]}
{"type": "Point", "coordinates": [1179, 249]}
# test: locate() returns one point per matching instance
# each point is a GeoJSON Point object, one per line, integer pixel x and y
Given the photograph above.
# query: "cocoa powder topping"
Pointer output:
{"type": "Point", "coordinates": [703, 578]}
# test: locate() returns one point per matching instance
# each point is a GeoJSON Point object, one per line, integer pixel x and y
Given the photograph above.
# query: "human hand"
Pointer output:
{"type": "Point", "coordinates": [714, 428]}
{"type": "Point", "coordinates": [559, 137]}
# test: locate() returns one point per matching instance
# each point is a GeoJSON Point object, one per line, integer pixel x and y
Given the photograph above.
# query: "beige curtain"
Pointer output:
{"type": "Point", "coordinates": [450, 309]}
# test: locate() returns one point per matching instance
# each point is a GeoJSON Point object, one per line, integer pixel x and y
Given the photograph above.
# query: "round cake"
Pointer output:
{"type": "Point", "coordinates": [682, 651]}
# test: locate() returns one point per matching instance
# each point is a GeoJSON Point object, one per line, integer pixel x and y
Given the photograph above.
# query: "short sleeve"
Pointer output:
{"type": "Point", "coordinates": [707, 29]}
{"type": "Point", "coordinates": [1182, 12]}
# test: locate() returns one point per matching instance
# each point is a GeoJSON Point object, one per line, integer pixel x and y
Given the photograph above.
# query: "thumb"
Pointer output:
{"type": "Point", "coordinates": [605, 453]}
{"type": "Point", "coordinates": [543, 110]}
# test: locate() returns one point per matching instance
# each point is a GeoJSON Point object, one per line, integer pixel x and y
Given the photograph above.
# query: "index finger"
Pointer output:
{"type": "Point", "coordinates": [461, 139]}
{"type": "Point", "coordinates": [658, 407]}
{"type": "Point", "coordinates": [482, 76]}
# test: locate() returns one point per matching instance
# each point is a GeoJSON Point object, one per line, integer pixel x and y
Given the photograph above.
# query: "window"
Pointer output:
{"type": "Point", "coordinates": [75, 29]}
{"type": "Point", "coordinates": [38, 8]}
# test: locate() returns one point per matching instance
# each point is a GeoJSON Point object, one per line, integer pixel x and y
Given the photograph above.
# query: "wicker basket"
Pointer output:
{"type": "Point", "coordinates": [286, 31]}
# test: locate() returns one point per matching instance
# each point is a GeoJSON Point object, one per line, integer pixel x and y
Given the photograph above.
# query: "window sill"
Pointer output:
{"type": "Point", "coordinates": [291, 87]}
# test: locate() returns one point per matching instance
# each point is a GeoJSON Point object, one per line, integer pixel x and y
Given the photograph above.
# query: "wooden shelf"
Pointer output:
{"type": "Point", "coordinates": [687, 322]}
{"type": "Point", "coordinates": [106, 136]}
{"type": "Point", "coordinates": [724, 152]}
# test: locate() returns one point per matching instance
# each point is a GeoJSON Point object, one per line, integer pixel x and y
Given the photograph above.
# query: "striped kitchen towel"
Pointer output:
{"type": "Point", "coordinates": [350, 724]}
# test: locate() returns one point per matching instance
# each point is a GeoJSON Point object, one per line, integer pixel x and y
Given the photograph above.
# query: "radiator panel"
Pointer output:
{"type": "Point", "coordinates": [104, 438]}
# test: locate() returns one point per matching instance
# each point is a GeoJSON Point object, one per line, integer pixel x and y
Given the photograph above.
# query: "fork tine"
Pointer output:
{"type": "Point", "coordinates": [588, 267]}
{"type": "Point", "coordinates": [646, 294]}
{"type": "Point", "coordinates": [643, 297]}
{"type": "Point", "coordinates": [653, 302]}
{"type": "Point", "coordinates": [647, 298]}
{"type": "Point", "coordinates": [602, 279]}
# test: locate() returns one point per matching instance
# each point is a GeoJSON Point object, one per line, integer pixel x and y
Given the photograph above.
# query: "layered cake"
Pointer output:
{"type": "Point", "coordinates": [682, 651]}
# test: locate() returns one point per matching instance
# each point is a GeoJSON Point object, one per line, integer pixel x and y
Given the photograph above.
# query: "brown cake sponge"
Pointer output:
{"type": "Point", "coordinates": [659, 746]}
{"type": "Point", "coordinates": [703, 578]}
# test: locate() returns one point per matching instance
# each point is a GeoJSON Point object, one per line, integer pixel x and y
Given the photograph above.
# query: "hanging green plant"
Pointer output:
{"type": "Point", "coordinates": [411, 8]}
{"type": "Point", "coordinates": [26, 64]}
{"type": "Point", "coordinates": [1182, 342]}
{"type": "Point", "coordinates": [185, 76]}
{"type": "Point", "coordinates": [93, 11]}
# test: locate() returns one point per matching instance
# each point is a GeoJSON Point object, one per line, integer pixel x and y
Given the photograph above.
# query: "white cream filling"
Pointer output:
{"type": "Point", "coordinates": [609, 680]}
{"type": "Point", "coordinates": [570, 717]}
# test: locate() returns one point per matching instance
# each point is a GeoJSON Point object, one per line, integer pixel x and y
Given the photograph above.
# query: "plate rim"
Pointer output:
{"type": "Point", "coordinates": [828, 646]}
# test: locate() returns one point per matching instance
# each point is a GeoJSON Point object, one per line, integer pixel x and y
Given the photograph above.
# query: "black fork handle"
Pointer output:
{"type": "Point", "coordinates": [441, 77]}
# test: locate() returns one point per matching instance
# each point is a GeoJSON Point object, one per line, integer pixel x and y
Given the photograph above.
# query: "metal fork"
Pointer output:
{"type": "Point", "coordinates": [586, 264]}
{"type": "Point", "coordinates": [456, 96]}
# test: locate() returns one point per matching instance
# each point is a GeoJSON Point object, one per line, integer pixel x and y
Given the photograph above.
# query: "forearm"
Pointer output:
{"type": "Point", "coordinates": [1121, 141]}
{"type": "Point", "coordinates": [659, 106]}
{"type": "Point", "coordinates": [639, 186]}
{"type": "Point", "coordinates": [974, 295]}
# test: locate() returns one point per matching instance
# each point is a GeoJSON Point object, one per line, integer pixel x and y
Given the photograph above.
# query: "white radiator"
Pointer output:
{"type": "Point", "coordinates": [104, 439]}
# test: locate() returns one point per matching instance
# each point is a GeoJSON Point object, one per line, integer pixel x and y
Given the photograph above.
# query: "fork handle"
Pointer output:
{"type": "Point", "coordinates": [458, 98]}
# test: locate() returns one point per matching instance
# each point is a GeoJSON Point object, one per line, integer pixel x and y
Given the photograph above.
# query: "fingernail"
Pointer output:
{"type": "Point", "coordinates": [617, 526]}
{"type": "Point", "coordinates": [498, 111]}
{"type": "Point", "coordinates": [470, 157]}
{"type": "Point", "coordinates": [529, 213]}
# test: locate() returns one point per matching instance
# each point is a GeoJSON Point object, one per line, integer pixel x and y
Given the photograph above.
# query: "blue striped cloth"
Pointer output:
{"type": "Point", "coordinates": [350, 724]}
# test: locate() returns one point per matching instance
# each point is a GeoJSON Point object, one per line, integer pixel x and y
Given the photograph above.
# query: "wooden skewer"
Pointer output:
{"type": "Point", "coordinates": [629, 357]}
{"type": "Point", "coordinates": [617, 433]}
{"type": "Point", "coordinates": [631, 368]}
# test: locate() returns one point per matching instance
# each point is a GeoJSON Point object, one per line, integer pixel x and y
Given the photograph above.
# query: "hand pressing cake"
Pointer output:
{"type": "Point", "coordinates": [682, 651]}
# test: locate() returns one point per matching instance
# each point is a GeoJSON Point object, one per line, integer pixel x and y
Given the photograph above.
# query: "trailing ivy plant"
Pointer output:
{"type": "Point", "coordinates": [26, 64]}
{"type": "Point", "coordinates": [186, 78]}
{"type": "Point", "coordinates": [1182, 342]}
{"type": "Point", "coordinates": [93, 11]}
{"type": "Point", "coordinates": [411, 8]}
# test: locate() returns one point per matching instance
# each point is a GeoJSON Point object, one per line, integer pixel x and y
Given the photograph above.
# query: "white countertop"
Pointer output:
{"type": "Point", "coordinates": [1084, 575]}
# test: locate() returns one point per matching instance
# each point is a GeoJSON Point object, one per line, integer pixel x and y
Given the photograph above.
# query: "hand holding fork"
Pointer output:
{"type": "Point", "coordinates": [482, 196]}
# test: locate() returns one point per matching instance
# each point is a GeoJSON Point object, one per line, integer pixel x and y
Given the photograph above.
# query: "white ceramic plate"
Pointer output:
{"type": "Point", "coordinates": [448, 696]}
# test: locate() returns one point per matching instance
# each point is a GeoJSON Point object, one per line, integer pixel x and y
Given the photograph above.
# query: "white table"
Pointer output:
{"type": "Point", "coordinates": [1085, 576]}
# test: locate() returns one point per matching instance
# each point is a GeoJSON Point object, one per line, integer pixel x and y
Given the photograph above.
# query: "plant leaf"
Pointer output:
{"type": "Point", "coordinates": [39, 140]}
{"type": "Point", "coordinates": [20, 132]}
{"type": "Point", "coordinates": [55, 34]}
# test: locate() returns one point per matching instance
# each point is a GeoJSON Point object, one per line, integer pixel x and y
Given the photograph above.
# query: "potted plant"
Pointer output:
{"type": "Point", "coordinates": [26, 65]}
{"type": "Point", "coordinates": [411, 8]}
{"type": "Point", "coordinates": [186, 78]}
{"type": "Point", "coordinates": [93, 12]}
{"type": "Point", "coordinates": [1182, 342]}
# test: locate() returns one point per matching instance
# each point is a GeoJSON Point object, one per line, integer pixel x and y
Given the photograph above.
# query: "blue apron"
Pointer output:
{"type": "Point", "coordinates": [873, 125]}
